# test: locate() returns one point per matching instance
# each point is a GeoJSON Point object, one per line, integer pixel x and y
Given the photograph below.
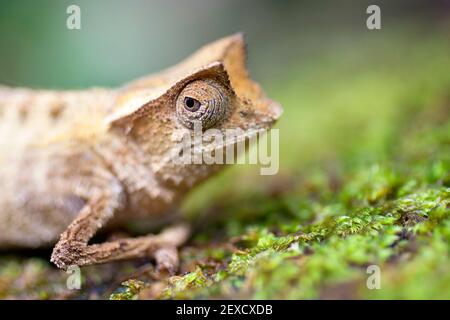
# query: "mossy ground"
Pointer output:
{"type": "Point", "coordinates": [364, 180]}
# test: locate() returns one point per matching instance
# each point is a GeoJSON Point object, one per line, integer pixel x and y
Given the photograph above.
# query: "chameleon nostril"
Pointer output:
{"type": "Point", "coordinates": [243, 114]}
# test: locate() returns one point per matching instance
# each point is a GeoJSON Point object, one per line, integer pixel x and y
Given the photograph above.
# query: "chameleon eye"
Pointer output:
{"type": "Point", "coordinates": [191, 104]}
{"type": "Point", "coordinates": [205, 101]}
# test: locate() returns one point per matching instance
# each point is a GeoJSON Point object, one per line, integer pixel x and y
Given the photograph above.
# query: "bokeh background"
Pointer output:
{"type": "Point", "coordinates": [350, 95]}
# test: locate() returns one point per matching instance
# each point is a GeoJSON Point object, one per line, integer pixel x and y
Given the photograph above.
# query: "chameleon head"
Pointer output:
{"type": "Point", "coordinates": [209, 93]}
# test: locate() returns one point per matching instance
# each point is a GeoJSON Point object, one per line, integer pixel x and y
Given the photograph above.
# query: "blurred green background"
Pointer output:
{"type": "Point", "coordinates": [122, 40]}
{"type": "Point", "coordinates": [365, 123]}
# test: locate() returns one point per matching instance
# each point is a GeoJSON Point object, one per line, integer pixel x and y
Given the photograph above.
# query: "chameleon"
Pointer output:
{"type": "Point", "coordinates": [77, 162]}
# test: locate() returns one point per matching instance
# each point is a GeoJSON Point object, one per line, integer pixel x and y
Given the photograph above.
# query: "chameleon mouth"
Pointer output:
{"type": "Point", "coordinates": [245, 137]}
{"type": "Point", "coordinates": [234, 145]}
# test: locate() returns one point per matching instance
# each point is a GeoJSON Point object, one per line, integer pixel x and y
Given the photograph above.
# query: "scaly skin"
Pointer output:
{"type": "Point", "coordinates": [73, 162]}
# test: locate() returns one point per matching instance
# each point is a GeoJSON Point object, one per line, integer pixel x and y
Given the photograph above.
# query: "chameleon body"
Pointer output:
{"type": "Point", "coordinates": [75, 162]}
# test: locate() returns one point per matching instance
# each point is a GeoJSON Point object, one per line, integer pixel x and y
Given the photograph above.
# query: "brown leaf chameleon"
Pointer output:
{"type": "Point", "coordinates": [75, 162]}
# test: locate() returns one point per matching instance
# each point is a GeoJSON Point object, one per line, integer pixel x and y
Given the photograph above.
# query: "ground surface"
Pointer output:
{"type": "Point", "coordinates": [364, 180]}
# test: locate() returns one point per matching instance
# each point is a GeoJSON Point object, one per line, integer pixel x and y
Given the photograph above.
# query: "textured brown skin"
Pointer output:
{"type": "Point", "coordinates": [74, 162]}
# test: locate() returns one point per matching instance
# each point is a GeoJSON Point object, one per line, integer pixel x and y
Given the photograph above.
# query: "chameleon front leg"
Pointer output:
{"type": "Point", "coordinates": [73, 248]}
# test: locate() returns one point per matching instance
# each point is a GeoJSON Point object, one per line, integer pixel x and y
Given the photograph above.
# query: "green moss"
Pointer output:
{"type": "Point", "coordinates": [130, 292]}
{"type": "Point", "coordinates": [178, 286]}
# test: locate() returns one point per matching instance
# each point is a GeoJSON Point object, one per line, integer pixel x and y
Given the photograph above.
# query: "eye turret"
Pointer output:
{"type": "Point", "coordinates": [206, 101]}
